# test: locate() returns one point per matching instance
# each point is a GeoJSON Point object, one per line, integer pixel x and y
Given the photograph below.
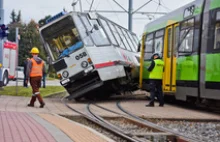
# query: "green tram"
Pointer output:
{"type": "Point", "coordinates": [188, 40]}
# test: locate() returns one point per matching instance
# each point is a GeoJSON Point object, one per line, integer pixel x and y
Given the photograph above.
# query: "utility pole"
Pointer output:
{"type": "Point", "coordinates": [1, 43]}
{"type": "Point", "coordinates": [17, 42]}
{"type": "Point", "coordinates": [130, 19]}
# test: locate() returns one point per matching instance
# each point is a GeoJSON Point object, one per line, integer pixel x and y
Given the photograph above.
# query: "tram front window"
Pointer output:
{"type": "Point", "coordinates": [62, 38]}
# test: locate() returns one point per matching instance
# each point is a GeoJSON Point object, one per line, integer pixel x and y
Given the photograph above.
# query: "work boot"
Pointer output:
{"type": "Point", "coordinates": [30, 105]}
{"type": "Point", "coordinates": [42, 105]}
{"type": "Point", "coordinates": [40, 101]}
{"type": "Point", "coordinates": [33, 99]}
{"type": "Point", "coordinates": [161, 105]}
{"type": "Point", "coordinates": [150, 105]}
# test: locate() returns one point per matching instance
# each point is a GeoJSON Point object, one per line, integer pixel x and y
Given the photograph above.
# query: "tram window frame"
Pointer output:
{"type": "Point", "coordinates": [159, 34]}
{"type": "Point", "coordinates": [132, 41]}
{"type": "Point", "coordinates": [90, 33]}
{"type": "Point", "coordinates": [217, 31]}
{"type": "Point", "coordinates": [115, 42]}
{"type": "Point", "coordinates": [79, 29]}
{"type": "Point", "coordinates": [185, 28]}
{"type": "Point", "coordinates": [126, 36]}
{"type": "Point", "coordinates": [135, 38]}
{"type": "Point", "coordinates": [117, 36]}
{"type": "Point", "coordinates": [151, 37]}
{"type": "Point", "coordinates": [101, 31]}
{"type": "Point", "coordinates": [120, 33]}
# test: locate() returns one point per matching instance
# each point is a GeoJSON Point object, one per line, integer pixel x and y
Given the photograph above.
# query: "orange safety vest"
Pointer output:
{"type": "Point", "coordinates": [37, 69]}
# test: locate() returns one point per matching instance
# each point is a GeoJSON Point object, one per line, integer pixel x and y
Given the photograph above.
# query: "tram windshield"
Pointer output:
{"type": "Point", "coordinates": [62, 38]}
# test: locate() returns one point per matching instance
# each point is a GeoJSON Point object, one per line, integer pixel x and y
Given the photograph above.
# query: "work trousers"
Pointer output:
{"type": "Point", "coordinates": [156, 91]}
{"type": "Point", "coordinates": [35, 84]}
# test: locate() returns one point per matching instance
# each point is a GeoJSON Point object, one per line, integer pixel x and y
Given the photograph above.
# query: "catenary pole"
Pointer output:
{"type": "Point", "coordinates": [17, 42]}
{"type": "Point", "coordinates": [130, 13]}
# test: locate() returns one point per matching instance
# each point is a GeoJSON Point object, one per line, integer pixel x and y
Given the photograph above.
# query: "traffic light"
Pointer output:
{"type": "Point", "coordinates": [3, 30]}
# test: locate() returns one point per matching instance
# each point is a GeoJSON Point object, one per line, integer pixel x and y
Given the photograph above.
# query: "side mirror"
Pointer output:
{"type": "Point", "coordinates": [49, 60]}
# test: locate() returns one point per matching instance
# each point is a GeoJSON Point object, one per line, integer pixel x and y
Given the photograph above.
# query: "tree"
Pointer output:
{"type": "Point", "coordinates": [19, 16]}
{"type": "Point", "coordinates": [13, 16]}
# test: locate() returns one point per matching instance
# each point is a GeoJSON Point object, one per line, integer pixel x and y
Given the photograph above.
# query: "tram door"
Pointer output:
{"type": "Point", "coordinates": [169, 57]}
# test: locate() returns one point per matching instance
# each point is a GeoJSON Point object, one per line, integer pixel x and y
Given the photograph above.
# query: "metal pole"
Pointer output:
{"type": "Point", "coordinates": [17, 42]}
{"type": "Point", "coordinates": [80, 3]}
{"type": "Point", "coordinates": [1, 43]}
{"type": "Point", "coordinates": [130, 13]}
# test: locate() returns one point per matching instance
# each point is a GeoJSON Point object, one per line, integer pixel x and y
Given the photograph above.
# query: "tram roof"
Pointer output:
{"type": "Point", "coordinates": [173, 17]}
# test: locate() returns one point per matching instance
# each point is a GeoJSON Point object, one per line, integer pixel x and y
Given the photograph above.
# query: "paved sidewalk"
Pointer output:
{"type": "Point", "coordinates": [21, 127]}
{"type": "Point", "coordinates": [44, 127]}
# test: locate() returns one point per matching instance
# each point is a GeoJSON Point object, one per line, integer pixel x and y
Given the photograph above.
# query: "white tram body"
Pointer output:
{"type": "Point", "coordinates": [89, 51]}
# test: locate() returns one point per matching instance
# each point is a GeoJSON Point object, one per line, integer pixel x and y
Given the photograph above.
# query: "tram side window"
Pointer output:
{"type": "Point", "coordinates": [158, 42]}
{"type": "Point", "coordinates": [149, 44]}
{"type": "Point", "coordinates": [217, 36]}
{"type": "Point", "coordinates": [115, 32]}
{"type": "Point", "coordinates": [82, 30]}
{"type": "Point", "coordinates": [123, 38]}
{"type": "Point", "coordinates": [98, 35]}
{"type": "Point", "coordinates": [109, 33]}
{"type": "Point", "coordinates": [186, 36]}
{"type": "Point", "coordinates": [128, 40]}
{"type": "Point", "coordinates": [132, 40]}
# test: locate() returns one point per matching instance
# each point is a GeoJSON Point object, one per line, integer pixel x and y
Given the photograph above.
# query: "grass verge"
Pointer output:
{"type": "Point", "coordinates": [26, 92]}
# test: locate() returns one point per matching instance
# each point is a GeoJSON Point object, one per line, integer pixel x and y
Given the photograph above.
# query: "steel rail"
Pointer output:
{"type": "Point", "coordinates": [101, 123]}
{"type": "Point", "coordinates": [148, 123]}
{"type": "Point", "coordinates": [128, 136]}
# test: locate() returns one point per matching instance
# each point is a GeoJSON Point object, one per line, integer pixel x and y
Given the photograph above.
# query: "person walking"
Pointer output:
{"type": "Point", "coordinates": [45, 74]}
{"type": "Point", "coordinates": [25, 66]}
{"type": "Point", "coordinates": [34, 73]}
{"type": "Point", "coordinates": [156, 75]}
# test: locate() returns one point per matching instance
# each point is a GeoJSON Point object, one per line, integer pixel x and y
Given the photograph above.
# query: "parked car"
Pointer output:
{"type": "Point", "coordinates": [20, 73]}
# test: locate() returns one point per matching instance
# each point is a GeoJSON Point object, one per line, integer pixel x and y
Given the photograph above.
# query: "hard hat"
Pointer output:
{"type": "Point", "coordinates": [34, 50]}
{"type": "Point", "coordinates": [155, 54]}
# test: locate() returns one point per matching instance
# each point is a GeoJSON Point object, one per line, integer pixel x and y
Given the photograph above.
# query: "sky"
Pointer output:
{"type": "Point", "coordinates": [39, 9]}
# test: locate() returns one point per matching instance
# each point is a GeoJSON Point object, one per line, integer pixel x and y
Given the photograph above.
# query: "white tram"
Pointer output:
{"type": "Point", "coordinates": [90, 52]}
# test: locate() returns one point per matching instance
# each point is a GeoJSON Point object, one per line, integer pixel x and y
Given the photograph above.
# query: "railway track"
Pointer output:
{"type": "Point", "coordinates": [102, 123]}
{"type": "Point", "coordinates": [155, 130]}
{"type": "Point", "coordinates": [130, 127]}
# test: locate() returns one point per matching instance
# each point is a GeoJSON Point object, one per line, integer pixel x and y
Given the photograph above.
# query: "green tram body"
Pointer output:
{"type": "Point", "coordinates": [197, 52]}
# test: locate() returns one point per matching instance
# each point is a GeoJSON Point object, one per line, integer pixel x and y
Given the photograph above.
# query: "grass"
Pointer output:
{"type": "Point", "coordinates": [26, 92]}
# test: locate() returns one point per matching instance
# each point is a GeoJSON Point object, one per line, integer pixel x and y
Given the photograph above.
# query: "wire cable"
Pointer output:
{"type": "Point", "coordinates": [162, 5]}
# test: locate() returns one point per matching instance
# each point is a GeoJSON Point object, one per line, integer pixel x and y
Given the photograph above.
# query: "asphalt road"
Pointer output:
{"type": "Point", "coordinates": [48, 83]}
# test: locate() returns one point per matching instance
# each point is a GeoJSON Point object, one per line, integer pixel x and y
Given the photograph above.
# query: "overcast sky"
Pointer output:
{"type": "Point", "coordinates": [38, 9]}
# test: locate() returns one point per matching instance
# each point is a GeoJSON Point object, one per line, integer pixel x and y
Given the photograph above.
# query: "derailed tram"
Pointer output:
{"type": "Point", "coordinates": [188, 40]}
{"type": "Point", "coordinates": [90, 54]}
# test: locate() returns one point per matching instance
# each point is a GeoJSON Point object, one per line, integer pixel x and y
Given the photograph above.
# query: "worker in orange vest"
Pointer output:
{"type": "Point", "coordinates": [34, 72]}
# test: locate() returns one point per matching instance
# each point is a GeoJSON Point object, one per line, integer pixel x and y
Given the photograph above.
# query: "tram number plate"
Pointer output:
{"type": "Point", "coordinates": [80, 55]}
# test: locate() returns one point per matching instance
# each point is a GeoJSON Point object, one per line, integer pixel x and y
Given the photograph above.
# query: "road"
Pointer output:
{"type": "Point", "coordinates": [48, 83]}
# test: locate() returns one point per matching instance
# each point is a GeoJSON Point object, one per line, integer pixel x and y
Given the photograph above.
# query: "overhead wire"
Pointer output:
{"type": "Point", "coordinates": [91, 5]}
{"type": "Point", "coordinates": [163, 5]}
{"type": "Point", "coordinates": [114, 10]}
{"type": "Point", "coordinates": [97, 5]}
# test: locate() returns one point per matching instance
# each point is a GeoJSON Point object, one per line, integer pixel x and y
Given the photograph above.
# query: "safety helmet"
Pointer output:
{"type": "Point", "coordinates": [34, 50]}
{"type": "Point", "coordinates": [155, 54]}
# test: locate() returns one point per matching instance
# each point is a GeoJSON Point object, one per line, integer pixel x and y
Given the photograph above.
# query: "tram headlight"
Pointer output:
{"type": "Point", "coordinates": [65, 74]}
{"type": "Point", "coordinates": [84, 64]}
